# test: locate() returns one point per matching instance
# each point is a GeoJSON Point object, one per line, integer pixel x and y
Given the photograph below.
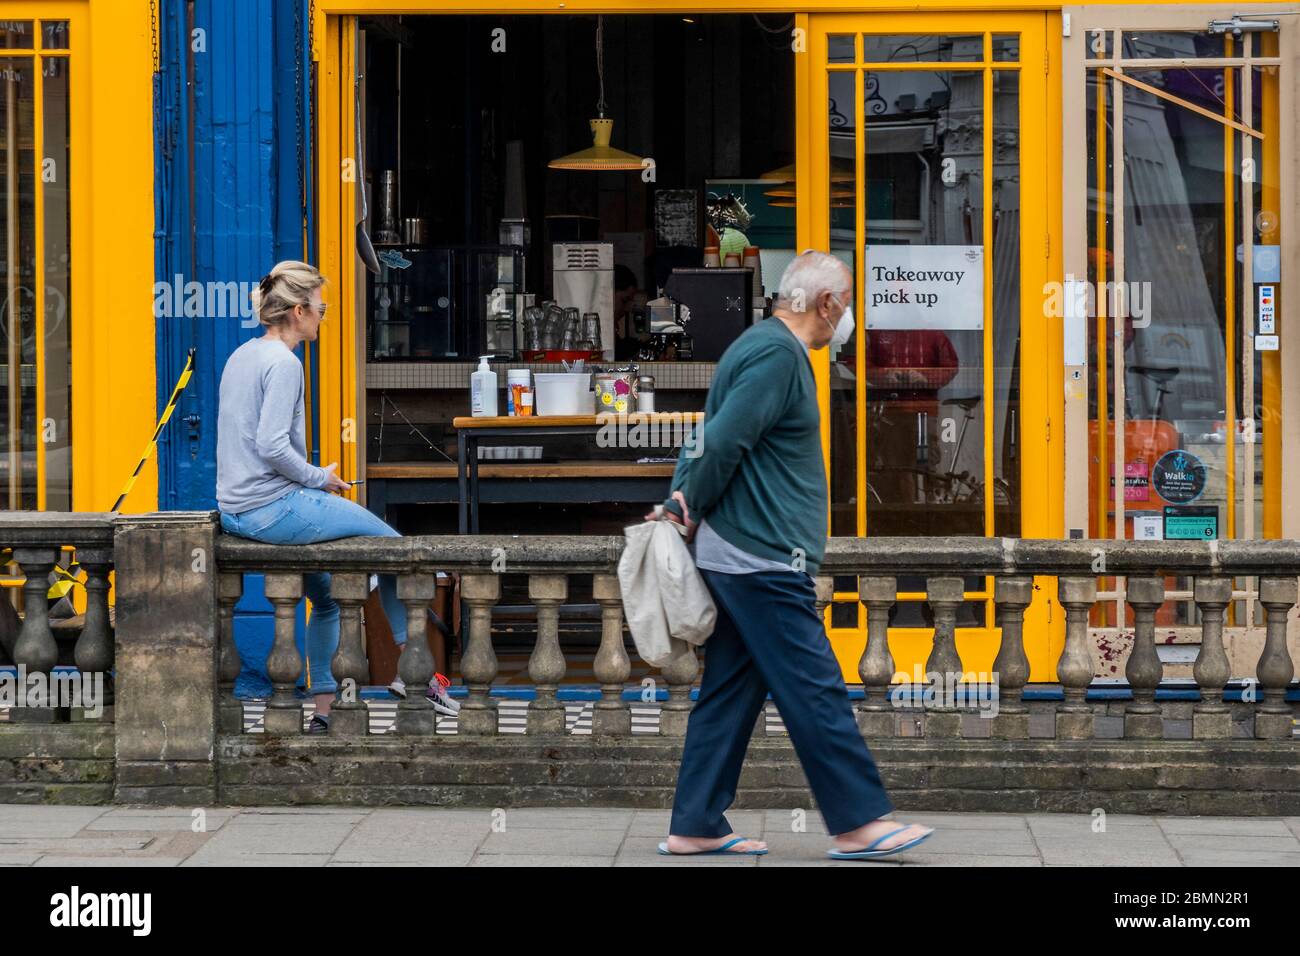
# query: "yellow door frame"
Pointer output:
{"type": "Point", "coordinates": [1041, 374]}
{"type": "Point", "coordinates": [338, 342]}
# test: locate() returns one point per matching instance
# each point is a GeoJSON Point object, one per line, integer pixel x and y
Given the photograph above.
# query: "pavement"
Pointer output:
{"type": "Point", "coordinates": [342, 836]}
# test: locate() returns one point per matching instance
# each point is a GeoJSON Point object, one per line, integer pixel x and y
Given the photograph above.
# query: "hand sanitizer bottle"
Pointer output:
{"type": "Point", "coordinates": [483, 390]}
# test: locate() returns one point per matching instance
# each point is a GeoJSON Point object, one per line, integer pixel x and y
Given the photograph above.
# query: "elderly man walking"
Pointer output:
{"type": "Point", "coordinates": [754, 502]}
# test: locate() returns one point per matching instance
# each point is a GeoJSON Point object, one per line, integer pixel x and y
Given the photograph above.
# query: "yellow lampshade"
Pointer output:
{"type": "Point", "coordinates": [786, 174]}
{"type": "Point", "coordinates": [600, 157]}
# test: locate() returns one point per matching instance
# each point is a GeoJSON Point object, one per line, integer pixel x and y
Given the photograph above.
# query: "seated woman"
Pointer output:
{"type": "Point", "coordinates": [267, 490]}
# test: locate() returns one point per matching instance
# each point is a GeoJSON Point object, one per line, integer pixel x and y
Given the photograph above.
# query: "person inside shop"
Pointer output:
{"type": "Point", "coordinates": [906, 368]}
{"type": "Point", "coordinates": [268, 491]}
{"type": "Point", "coordinates": [754, 502]}
{"type": "Point", "coordinates": [626, 343]}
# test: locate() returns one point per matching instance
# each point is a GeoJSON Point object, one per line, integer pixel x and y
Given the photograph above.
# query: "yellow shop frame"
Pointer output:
{"type": "Point", "coordinates": [110, 147]}
{"type": "Point", "coordinates": [341, 385]}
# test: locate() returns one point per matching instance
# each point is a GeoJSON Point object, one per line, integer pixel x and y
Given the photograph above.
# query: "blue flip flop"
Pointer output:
{"type": "Point", "coordinates": [872, 854]}
{"type": "Point", "coordinates": [724, 849]}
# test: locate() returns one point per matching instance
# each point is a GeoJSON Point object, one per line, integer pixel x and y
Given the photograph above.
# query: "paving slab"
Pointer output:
{"type": "Point", "coordinates": [541, 860]}
{"type": "Point", "coordinates": [113, 861]}
{"type": "Point", "coordinates": [601, 837]}
{"type": "Point", "coordinates": [563, 841]}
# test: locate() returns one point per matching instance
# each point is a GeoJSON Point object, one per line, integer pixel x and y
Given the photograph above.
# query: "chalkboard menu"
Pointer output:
{"type": "Point", "coordinates": [677, 218]}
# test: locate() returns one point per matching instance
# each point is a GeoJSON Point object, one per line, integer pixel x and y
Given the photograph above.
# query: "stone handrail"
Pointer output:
{"type": "Point", "coordinates": [876, 562]}
{"type": "Point", "coordinates": [178, 579]}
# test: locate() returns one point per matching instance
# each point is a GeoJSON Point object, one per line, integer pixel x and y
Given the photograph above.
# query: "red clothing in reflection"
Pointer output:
{"type": "Point", "coordinates": [908, 367]}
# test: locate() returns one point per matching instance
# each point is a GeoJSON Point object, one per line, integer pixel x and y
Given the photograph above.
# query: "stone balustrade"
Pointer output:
{"type": "Point", "coordinates": [178, 733]}
{"type": "Point", "coordinates": [38, 542]}
{"type": "Point", "coordinates": [1016, 567]}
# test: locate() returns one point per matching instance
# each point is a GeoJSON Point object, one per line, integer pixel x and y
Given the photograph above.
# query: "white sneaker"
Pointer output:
{"type": "Point", "coordinates": [442, 701]}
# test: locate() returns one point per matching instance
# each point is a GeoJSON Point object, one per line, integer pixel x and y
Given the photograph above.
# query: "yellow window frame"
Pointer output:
{"type": "Point", "coordinates": [1041, 376]}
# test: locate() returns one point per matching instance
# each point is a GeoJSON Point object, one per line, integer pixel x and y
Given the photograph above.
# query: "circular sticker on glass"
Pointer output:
{"type": "Point", "coordinates": [1178, 477]}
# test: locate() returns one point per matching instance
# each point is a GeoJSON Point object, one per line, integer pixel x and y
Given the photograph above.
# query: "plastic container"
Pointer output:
{"type": "Point", "coordinates": [645, 393]}
{"type": "Point", "coordinates": [515, 376]}
{"type": "Point", "coordinates": [562, 393]}
{"type": "Point", "coordinates": [483, 390]}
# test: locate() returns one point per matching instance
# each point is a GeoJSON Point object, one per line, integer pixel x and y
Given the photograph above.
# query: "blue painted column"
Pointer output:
{"type": "Point", "coordinates": [232, 117]}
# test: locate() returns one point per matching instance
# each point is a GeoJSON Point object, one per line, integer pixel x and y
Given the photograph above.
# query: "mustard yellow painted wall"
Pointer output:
{"type": "Point", "coordinates": [113, 391]}
{"type": "Point", "coordinates": [112, 204]}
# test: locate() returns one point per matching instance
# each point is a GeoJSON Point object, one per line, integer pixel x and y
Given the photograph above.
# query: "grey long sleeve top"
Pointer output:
{"type": "Point", "coordinates": [261, 428]}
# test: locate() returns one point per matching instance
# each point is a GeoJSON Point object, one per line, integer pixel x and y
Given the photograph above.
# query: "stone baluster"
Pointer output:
{"type": "Point", "coordinates": [546, 663]}
{"type": "Point", "coordinates": [415, 714]}
{"type": "Point", "coordinates": [1012, 596]}
{"type": "Point", "coordinates": [1275, 668]}
{"type": "Point", "coordinates": [94, 652]}
{"type": "Point", "coordinates": [35, 649]}
{"type": "Point", "coordinates": [1142, 717]}
{"type": "Point", "coordinates": [876, 666]}
{"type": "Point", "coordinates": [284, 664]}
{"type": "Point", "coordinates": [349, 715]}
{"type": "Point", "coordinates": [478, 665]}
{"type": "Point", "coordinates": [943, 666]}
{"type": "Point", "coordinates": [230, 711]}
{"type": "Point", "coordinates": [1074, 720]}
{"type": "Point", "coordinates": [680, 672]}
{"type": "Point", "coordinates": [1211, 718]}
{"type": "Point", "coordinates": [612, 666]}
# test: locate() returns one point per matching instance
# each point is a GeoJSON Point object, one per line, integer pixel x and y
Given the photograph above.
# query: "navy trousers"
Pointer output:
{"type": "Point", "coordinates": [769, 637]}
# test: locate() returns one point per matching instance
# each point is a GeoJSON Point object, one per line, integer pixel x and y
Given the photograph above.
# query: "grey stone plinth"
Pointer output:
{"type": "Point", "coordinates": [1216, 725]}
{"type": "Point", "coordinates": [1272, 726]}
{"type": "Point", "coordinates": [422, 722]}
{"type": "Point", "coordinates": [1074, 726]}
{"type": "Point", "coordinates": [1010, 726]}
{"type": "Point", "coordinates": [876, 723]}
{"type": "Point", "coordinates": [672, 723]}
{"type": "Point", "coordinates": [1144, 726]}
{"type": "Point", "coordinates": [545, 721]}
{"type": "Point", "coordinates": [283, 721]}
{"type": "Point", "coordinates": [167, 633]}
{"type": "Point", "coordinates": [612, 722]}
{"type": "Point", "coordinates": [943, 723]}
{"type": "Point", "coordinates": [480, 722]}
{"type": "Point", "coordinates": [351, 722]}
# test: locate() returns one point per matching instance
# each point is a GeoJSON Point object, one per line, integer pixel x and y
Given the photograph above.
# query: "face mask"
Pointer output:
{"type": "Point", "coordinates": [842, 331]}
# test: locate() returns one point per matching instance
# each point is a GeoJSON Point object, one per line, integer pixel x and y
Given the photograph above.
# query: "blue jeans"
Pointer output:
{"type": "Point", "coordinates": [307, 516]}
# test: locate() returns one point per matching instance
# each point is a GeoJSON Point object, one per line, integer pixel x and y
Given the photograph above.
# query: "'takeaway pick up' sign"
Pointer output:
{"type": "Point", "coordinates": [925, 287]}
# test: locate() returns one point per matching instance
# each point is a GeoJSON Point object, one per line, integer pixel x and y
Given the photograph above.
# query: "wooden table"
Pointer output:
{"type": "Point", "coordinates": [565, 482]}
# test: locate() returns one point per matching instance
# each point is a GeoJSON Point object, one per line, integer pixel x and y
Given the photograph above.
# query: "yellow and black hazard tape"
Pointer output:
{"type": "Point", "coordinates": [162, 421]}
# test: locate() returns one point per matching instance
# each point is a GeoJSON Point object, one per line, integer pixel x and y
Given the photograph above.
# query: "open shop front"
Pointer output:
{"type": "Point", "coordinates": [967, 149]}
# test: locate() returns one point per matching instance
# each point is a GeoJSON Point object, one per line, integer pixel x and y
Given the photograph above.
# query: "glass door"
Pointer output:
{"type": "Point", "coordinates": [930, 155]}
{"type": "Point", "coordinates": [1177, 318]}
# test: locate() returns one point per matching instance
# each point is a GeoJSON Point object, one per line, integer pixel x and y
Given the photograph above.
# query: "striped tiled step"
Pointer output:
{"type": "Point", "coordinates": [512, 717]}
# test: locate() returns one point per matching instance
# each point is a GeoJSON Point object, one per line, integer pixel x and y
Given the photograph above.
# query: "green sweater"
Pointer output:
{"type": "Point", "coordinates": [758, 476]}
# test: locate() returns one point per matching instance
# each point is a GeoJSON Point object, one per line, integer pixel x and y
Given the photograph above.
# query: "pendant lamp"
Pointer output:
{"type": "Point", "coordinates": [600, 156]}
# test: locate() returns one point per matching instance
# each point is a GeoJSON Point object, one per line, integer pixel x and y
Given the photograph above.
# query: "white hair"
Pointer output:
{"type": "Point", "coordinates": [809, 275]}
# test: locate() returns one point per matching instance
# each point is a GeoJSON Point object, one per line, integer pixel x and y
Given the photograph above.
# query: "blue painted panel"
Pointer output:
{"type": "Point", "coordinates": [228, 199]}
